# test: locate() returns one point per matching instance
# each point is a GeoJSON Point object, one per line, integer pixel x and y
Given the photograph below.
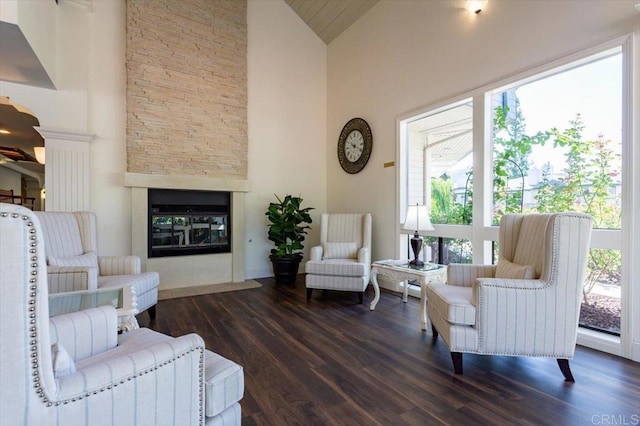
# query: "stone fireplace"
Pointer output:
{"type": "Point", "coordinates": [180, 270]}
{"type": "Point", "coordinates": [187, 129]}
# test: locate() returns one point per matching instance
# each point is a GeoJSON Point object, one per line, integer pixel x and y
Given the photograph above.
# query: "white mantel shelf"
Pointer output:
{"type": "Point", "coordinates": [140, 180]}
{"type": "Point", "coordinates": [189, 271]}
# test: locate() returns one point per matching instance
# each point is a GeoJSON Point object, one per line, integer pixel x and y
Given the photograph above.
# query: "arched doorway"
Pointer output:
{"type": "Point", "coordinates": [21, 165]}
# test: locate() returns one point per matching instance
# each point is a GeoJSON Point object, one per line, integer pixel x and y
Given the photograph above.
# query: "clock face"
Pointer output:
{"type": "Point", "coordinates": [354, 145]}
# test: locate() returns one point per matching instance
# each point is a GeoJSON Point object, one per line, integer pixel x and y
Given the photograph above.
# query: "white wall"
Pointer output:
{"type": "Point", "coordinates": [287, 114]}
{"type": "Point", "coordinates": [287, 122]}
{"type": "Point", "coordinates": [404, 54]}
{"type": "Point", "coordinates": [10, 180]}
{"type": "Point", "coordinates": [91, 99]}
{"type": "Point", "coordinates": [106, 118]}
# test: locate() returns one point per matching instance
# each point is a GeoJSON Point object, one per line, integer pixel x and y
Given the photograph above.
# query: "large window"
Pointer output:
{"type": "Point", "coordinates": [440, 174]}
{"type": "Point", "coordinates": [550, 142]}
{"type": "Point", "coordinates": [557, 144]}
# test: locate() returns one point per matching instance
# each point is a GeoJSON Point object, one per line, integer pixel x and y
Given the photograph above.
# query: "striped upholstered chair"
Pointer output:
{"type": "Point", "coordinates": [343, 260]}
{"type": "Point", "coordinates": [75, 369]}
{"type": "Point", "coordinates": [526, 305]}
{"type": "Point", "coordinates": [71, 246]}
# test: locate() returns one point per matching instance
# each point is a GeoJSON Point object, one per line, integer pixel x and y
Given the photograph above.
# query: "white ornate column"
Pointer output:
{"type": "Point", "coordinates": [67, 169]}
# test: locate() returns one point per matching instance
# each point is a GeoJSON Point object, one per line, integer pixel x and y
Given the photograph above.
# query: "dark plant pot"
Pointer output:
{"type": "Point", "coordinates": [285, 269]}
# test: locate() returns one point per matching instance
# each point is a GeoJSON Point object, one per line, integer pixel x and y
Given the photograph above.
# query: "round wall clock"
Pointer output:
{"type": "Point", "coordinates": [354, 145]}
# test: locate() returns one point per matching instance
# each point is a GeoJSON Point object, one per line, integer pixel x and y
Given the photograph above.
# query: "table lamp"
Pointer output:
{"type": "Point", "coordinates": [417, 220]}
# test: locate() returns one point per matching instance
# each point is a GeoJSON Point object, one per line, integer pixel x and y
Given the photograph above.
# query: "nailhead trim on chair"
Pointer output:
{"type": "Point", "coordinates": [33, 334]}
{"type": "Point", "coordinates": [551, 278]}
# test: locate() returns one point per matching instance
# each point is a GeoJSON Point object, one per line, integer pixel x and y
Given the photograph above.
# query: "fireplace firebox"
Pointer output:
{"type": "Point", "coordinates": [183, 222]}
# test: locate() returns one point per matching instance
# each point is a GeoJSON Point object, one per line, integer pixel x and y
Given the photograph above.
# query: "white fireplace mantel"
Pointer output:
{"type": "Point", "coordinates": [141, 180]}
{"type": "Point", "coordinates": [189, 271]}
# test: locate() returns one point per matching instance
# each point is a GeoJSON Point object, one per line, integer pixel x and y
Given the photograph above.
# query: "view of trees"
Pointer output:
{"type": "Point", "coordinates": [586, 184]}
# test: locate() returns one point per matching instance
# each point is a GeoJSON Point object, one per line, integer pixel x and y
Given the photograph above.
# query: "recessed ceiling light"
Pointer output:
{"type": "Point", "coordinates": [475, 6]}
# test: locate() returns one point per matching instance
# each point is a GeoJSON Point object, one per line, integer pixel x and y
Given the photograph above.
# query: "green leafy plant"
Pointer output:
{"type": "Point", "coordinates": [288, 225]}
{"type": "Point", "coordinates": [585, 185]}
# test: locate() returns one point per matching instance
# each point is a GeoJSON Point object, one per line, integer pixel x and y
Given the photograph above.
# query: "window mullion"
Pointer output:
{"type": "Point", "coordinates": [482, 177]}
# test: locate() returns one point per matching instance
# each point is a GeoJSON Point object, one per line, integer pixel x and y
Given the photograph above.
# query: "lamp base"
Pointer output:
{"type": "Point", "coordinates": [416, 246]}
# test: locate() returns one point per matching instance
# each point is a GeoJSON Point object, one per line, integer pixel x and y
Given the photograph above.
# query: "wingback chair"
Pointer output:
{"type": "Point", "coordinates": [343, 260]}
{"type": "Point", "coordinates": [71, 246]}
{"type": "Point", "coordinates": [74, 369]}
{"type": "Point", "coordinates": [528, 303]}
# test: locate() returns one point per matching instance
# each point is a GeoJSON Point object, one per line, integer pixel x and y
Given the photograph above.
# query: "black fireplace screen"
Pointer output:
{"type": "Point", "coordinates": [188, 222]}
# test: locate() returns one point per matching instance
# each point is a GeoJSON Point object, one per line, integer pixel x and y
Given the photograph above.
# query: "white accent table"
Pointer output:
{"type": "Point", "coordinates": [399, 271]}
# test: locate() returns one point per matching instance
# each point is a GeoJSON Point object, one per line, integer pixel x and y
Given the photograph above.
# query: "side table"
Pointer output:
{"type": "Point", "coordinates": [399, 271]}
{"type": "Point", "coordinates": [122, 298]}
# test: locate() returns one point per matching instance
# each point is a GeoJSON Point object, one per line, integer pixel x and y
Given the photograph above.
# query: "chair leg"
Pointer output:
{"type": "Point", "coordinates": [456, 357]}
{"type": "Point", "coordinates": [152, 312]}
{"type": "Point", "coordinates": [361, 297]}
{"type": "Point", "coordinates": [309, 291]}
{"type": "Point", "coordinates": [434, 333]}
{"type": "Point", "coordinates": [566, 371]}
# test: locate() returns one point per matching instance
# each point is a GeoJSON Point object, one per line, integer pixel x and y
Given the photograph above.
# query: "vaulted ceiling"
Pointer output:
{"type": "Point", "coordinates": [329, 18]}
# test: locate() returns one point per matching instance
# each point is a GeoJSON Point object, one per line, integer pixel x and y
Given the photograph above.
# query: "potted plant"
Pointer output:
{"type": "Point", "coordinates": [288, 225]}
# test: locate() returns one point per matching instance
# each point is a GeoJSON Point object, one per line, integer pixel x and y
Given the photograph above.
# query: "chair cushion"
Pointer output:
{"type": "Point", "coordinates": [330, 282]}
{"type": "Point", "coordinates": [451, 302]}
{"type": "Point", "coordinates": [506, 269]}
{"type": "Point", "coordinates": [88, 259]}
{"type": "Point", "coordinates": [340, 250]}
{"type": "Point", "coordinates": [62, 363]}
{"type": "Point", "coordinates": [531, 247]}
{"type": "Point", "coordinates": [336, 267]}
{"type": "Point", "coordinates": [141, 282]}
{"type": "Point", "coordinates": [224, 379]}
{"type": "Point", "coordinates": [61, 234]}
{"type": "Point", "coordinates": [224, 383]}
{"type": "Point", "coordinates": [145, 285]}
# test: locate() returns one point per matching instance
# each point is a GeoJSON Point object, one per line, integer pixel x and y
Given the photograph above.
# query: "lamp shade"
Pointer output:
{"type": "Point", "coordinates": [417, 219]}
{"type": "Point", "coordinates": [40, 156]}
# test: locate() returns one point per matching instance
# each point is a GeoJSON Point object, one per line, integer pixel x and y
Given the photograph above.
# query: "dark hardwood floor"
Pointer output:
{"type": "Point", "coordinates": [334, 362]}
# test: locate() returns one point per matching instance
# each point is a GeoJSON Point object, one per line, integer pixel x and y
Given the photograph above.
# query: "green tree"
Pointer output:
{"type": "Point", "coordinates": [512, 147]}
{"type": "Point", "coordinates": [585, 186]}
{"type": "Point", "coordinates": [585, 183]}
{"type": "Point", "coordinates": [442, 199]}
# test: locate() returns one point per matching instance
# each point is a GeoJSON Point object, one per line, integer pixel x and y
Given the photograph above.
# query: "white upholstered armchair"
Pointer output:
{"type": "Point", "coordinates": [343, 260]}
{"type": "Point", "coordinates": [74, 369]}
{"type": "Point", "coordinates": [526, 305]}
{"type": "Point", "coordinates": [71, 246]}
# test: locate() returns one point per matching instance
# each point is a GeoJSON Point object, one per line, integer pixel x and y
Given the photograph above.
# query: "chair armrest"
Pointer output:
{"type": "Point", "coordinates": [86, 333]}
{"type": "Point", "coordinates": [520, 317]}
{"type": "Point", "coordinates": [175, 364]}
{"type": "Point", "coordinates": [316, 253]}
{"type": "Point", "coordinates": [364, 256]}
{"type": "Point", "coordinates": [119, 265]}
{"type": "Point", "coordinates": [509, 284]}
{"type": "Point", "coordinates": [71, 278]}
{"type": "Point", "coordinates": [463, 274]}
{"type": "Point", "coordinates": [501, 289]}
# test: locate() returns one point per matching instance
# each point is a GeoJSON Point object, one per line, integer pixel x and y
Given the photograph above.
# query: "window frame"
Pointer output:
{"type": "Point", "coordinates": [481, 233]}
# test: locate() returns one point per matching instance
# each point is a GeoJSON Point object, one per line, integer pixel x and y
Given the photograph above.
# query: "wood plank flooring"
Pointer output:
{"type": "Point", "coordinates": [334, 362]}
